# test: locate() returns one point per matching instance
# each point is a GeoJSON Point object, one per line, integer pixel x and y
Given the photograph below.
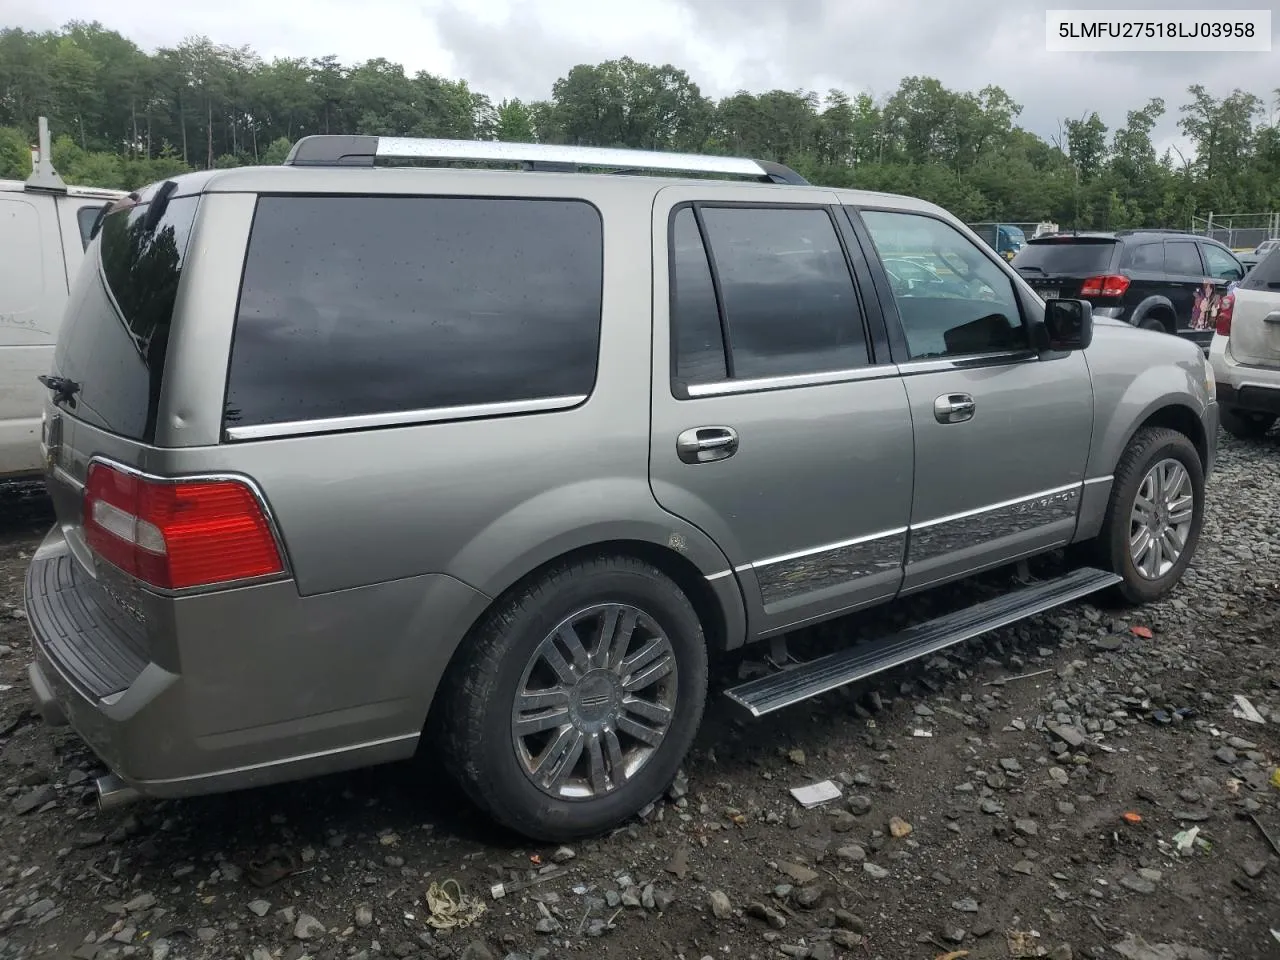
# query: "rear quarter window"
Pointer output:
{"type": "Point", "coordinates": [357, 306]}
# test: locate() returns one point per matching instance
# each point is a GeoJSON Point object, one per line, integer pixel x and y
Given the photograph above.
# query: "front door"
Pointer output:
{"type": "Point", "coordinates": [777, 427]}
{"type": "Point", "coordinates": [1001, 436]}
{"type": "Point", "coordinates": [1186, 284]}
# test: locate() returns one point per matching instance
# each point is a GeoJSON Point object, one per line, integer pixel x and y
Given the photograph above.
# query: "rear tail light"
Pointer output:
{"type": "Point", "coordinates": [177, 534]}
{"type": "Point", "coordinates": [1110, 285]}
{"type": "Point", "coordinates": [1226, 307]}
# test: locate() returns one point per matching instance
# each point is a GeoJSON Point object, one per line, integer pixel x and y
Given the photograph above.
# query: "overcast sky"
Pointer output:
{"type": "Point", "coordinates": [510, 48]}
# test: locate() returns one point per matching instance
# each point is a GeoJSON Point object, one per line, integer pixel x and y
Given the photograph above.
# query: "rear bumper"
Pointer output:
{"type": "Point", "coordinates": [1248, 387]}
{"type": "Point", "coordinates": [257, 685]}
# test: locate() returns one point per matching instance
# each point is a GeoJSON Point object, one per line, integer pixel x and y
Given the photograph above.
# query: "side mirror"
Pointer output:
{"type": "Point", "coordinates": [1069, 324]}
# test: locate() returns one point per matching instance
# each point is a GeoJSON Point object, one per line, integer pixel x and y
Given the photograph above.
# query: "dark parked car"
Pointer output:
{"type": "Point", "coordinates": [1155, 279]}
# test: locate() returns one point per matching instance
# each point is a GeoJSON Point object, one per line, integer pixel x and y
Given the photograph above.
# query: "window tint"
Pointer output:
{"type": "Point", "coordinates": [1181, 259]}
{"type": "Point", "coordinates": [366, 305]}
{"type": "Point", "coordinates": [964, 305]}
{"type": "Point", "coordinates": [115, 338]}
{"type": "Point", "coordinates": [695, 319]}
{"type": "Point", "coordinates": [1221, 264]}
{"type": "Point", "coordinates": [789, 300]}
{"type": "Point", "coordinates": [86, 217]}
{"type": "Point", "coordinates": [1071, 256]}
{"type": "Point", "coordinates": [1266, 275]}
{"type": "Point", "coordinates": [1148, 257]}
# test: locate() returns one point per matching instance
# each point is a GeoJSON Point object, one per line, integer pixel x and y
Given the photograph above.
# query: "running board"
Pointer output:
{"type": "Point", "coordinates": [815, 677]}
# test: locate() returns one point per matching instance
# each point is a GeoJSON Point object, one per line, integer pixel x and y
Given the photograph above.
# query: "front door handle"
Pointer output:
{"type": "Point", "coordinates": [705, 444]}
{"type": "Point", "coordinates": [953, 408]}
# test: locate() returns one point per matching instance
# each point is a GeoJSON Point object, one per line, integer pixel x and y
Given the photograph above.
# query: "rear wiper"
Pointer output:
{"type": "Point", "coordinates": [64, 389]}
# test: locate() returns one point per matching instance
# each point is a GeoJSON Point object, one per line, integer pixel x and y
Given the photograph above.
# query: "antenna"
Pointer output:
{"type": "Point", "coordinates": [43, 176]}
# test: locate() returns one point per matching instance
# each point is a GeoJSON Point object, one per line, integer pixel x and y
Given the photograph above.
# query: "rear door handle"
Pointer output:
{"type": "Point", "coordinates": [1273, 317]}
{"type": "Point", "coordinates": [954, 408]}
{"type": "Point", "coordinates": [705, 444]}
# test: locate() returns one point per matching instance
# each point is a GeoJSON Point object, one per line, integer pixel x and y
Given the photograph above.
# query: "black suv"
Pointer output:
{"type": "Point", "coordinates": [1157, 279]}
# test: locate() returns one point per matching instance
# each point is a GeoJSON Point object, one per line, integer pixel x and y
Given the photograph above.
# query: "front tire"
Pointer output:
{"type": "Point", "coordinates": [576, 699]}
{"type": "Point", "coordinates": [1154, 516]}
{"type": "Point", "coordinates": [1245, 426]}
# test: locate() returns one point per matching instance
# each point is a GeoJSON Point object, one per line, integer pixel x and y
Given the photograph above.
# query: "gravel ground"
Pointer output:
{"type": "Point", "coordinates": [1075, 786]}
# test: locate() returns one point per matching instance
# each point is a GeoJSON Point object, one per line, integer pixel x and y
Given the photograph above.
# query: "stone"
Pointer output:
{"type": "Point", "coordinates": [477, 950]}
{"type": "Point", "coordinates": [259, 908]}
{"type": "Point", "coordinates": [143, 901]}
{"type": "Point", "coordinates": [899, 828]}
{"type": "Point", "coordinates": [364, 915]}
{"type": "Point", "coordinates": [766, 913]}
{"type": "Point", "coordinates": [967, 905]}
{"type": "Point", "coordinates": [1225, 755]}
{"type": "Point", "coordinates": [33, 801]}
{"type": "Point", "coordinates": [563, 855]}
{"type": "Point", "coordinates": [720, 905]}
{"type": "Point", "coordinates": [808, 898]}
{"type": "Point", "coordinates": [798, 872]}
{"type": "Point", "coordinates": [875, 871]}
{"type": "Point", "coordinates": [1137, 884]}
{"type": "Point", "coordinates": [859, 805]}
{"type": "Point", "coordinates": [1010, 765]}
{"type": "Point", "coordinates": [1028, 828]}
{"type": "Point", "coordinates": [308, 927]}
{"type": "Point", "coordinates": [852, 852]}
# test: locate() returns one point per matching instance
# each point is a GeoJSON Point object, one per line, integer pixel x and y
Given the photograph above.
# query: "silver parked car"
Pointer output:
{"type": "Point", "coordinates": [349, 459]}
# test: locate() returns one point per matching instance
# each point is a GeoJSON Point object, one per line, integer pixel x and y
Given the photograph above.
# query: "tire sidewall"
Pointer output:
{"type": "Point", "coordinates": [515, 798]}
{"type": "Point", "coordinates": [1136, 587]}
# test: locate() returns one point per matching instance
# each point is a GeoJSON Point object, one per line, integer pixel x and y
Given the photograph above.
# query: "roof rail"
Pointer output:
{"type": "Point", "coordinates": [43, 176]}
{"type": "Point", "coordinates": [1132, 230]}
{"type": "Point", "coordinates": [325, 150]}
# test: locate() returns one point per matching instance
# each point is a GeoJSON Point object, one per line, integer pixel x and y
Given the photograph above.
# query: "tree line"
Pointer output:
{"type": "Point", "coordinates": [124, 117]}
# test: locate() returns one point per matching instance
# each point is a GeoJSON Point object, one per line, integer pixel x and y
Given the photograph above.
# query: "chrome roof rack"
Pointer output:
{"type": "Point", "coordinates": [43, 176]}
{"type": "Point", "coordinates": [362, 151]}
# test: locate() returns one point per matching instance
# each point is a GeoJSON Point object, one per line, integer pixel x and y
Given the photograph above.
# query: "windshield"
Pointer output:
{"type": "Point", "coordinates": [115, 338]}
{"type": "Point", "coordinates": [1073, 256]}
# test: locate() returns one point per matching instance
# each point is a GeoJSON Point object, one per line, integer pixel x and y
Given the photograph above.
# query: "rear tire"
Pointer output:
{"type": "Point", "coordinates": [1157, 480]}
{"type": "Point", "coordinates": [1156, 324]}
{"type": "Point", "coordinates": [558, 734]}
{"type": "Point", "coordinates": [1243, 425]}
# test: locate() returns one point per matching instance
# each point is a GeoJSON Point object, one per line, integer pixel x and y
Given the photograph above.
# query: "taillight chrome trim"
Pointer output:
{"type": "Point", "coordinates": [286, 572]}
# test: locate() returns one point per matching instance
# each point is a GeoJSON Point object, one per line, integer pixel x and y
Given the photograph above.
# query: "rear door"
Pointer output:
{"type": "Point", "coordinates": [779, 426]}
{"type": "Point", "coordinates": [1001, 435]}
{"type": "Point", "coordinates": [1186, 284]}
{"type": "Point", "coordinates": [33, 291]}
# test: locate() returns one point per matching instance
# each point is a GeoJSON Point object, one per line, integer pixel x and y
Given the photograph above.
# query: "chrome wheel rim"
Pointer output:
{"type": "Point", "coordinates": [1160, 522]}
{"type": "Point", "coordinates": [595, 702]}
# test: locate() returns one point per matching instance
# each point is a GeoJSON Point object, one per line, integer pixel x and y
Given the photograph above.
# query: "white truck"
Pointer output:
{"type": "Point", "coordinates": [45, 227]}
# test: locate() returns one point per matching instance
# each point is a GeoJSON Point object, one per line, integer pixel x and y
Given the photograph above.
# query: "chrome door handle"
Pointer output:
{"type": "Point", "coordinates": [705, 444]}
{"type": "Point", "coordinates": [954, 408]}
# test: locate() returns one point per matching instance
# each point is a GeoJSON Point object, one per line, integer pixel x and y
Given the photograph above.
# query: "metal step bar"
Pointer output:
{"type": "Point", "coordinates": [814, 677]}
{"type": "Point", "coordinates": [328, 150]}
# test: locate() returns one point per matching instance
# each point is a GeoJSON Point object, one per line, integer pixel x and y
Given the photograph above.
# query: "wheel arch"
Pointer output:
{"type": "Point", "coordinates": [1157, 306]}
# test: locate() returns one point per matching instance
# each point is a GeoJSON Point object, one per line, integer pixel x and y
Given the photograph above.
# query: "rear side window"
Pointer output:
{"type": "Point", "coordinates": [1145, 257]}
{"type": "Point", "coordinates": [1266, 275]}
{"type": "Point", "coordinates": [356, 306]}
{"type": "Point", "coordinates": [789, 302]}
{"type": "Point", "coordinates": [1181, 258]}
{"type": "Point", "coordinates": [1075, 257]}
{"type": "Point", "coordinates": [115, 337]}
{"type": "Point", "coordinates": [86, 217]}
{"type": "Point", "coordinates": [695, 318]}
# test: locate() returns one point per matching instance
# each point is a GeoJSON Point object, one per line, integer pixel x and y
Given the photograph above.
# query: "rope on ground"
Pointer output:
{"type": "Point", "coordinates": [450, 912]}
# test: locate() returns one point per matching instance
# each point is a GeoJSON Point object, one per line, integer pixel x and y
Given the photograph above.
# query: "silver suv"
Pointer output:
{"type": "Point", "coordinates": [350, 459]}
{"type": "Point", "coordinates": [1245, 351]}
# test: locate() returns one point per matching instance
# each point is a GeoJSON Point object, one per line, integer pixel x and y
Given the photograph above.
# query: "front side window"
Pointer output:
{"type": "Point", "coordinates": [952, 300]}
{"type": "Point", "coordinates": [1222, 266]}
{"type": "Point", "coordinates": [356, 306]}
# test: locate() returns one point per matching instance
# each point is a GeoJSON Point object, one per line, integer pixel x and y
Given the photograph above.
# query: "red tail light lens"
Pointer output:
{"type": "Point", "coordinates": [1226, 307]}
{"type": "Point", "coordinates": [1111, 285]}
{"type": "Point", "coordinates": [178, 534]}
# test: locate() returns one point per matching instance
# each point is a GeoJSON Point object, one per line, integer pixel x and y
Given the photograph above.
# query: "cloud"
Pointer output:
{"type": "Point", "coordinates": [520, 47]}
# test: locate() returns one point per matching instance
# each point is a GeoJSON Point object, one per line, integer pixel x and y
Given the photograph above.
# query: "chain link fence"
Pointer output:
{"type": "Point", "coordinates": [1239, 231]}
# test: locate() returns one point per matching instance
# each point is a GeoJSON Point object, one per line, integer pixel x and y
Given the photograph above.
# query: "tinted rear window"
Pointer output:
{"type": "Point", "coordinates": [116, 333]}
{"type": "Point", "coordinates": [369, 305]}
{"type": "Point", "coordinates": [1266, 275]}
{"type": "Point", "coordinates": [1065, 256]}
